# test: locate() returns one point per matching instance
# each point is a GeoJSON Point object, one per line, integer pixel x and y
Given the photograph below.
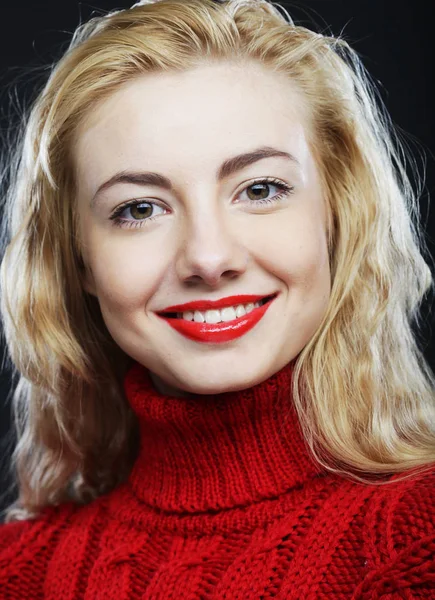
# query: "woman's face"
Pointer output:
{"type": "Point", "coordinates": [209, 236]}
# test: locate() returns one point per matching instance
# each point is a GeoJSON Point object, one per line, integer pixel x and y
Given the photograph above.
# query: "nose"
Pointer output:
{"type": "Point", "coordinates": [210, 249]}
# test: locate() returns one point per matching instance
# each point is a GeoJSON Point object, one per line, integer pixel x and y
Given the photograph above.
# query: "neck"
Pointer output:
{"type": "Point", "coordinates": [213, 452]}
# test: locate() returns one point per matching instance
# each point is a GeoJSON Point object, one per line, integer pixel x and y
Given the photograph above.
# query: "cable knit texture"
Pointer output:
{"type": "Point", "coordinates": [225, 501]}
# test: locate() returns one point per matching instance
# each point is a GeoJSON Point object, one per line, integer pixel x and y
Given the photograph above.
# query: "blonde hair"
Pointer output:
{"type": "Point", "coordinates": [363, 390]}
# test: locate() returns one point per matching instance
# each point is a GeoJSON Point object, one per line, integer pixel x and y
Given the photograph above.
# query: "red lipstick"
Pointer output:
{"type": "Point", "coordinates": [217, 332]}
{"type": "Point", "coordinates": [204, 305]}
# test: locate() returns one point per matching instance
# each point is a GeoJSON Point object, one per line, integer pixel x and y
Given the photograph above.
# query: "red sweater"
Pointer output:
{"type": "Point", "coordinates": [225, 502]}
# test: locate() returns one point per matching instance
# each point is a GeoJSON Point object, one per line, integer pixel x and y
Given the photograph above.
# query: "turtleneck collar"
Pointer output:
{"type": "Point", "coordinates": [213, 452]}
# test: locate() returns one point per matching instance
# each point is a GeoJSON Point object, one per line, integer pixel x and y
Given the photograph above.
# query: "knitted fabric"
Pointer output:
{"type": "Point", "coordinates": [224, 501]}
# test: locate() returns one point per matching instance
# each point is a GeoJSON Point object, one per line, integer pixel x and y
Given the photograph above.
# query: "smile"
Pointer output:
{"type": "Point", "coordinates": [230, 313]}
{"type": "Point", "coordinates": [217, 326]}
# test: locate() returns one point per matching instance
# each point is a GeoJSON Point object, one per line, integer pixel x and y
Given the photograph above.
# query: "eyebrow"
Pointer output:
{"type": "Point", "coordinates": [228, 167]}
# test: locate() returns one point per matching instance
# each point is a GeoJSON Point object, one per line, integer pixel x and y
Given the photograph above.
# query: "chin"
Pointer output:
{"type": "Point", "coordinates": [209, 381]}
{"type": "Point", "coordinates": [218, 385]}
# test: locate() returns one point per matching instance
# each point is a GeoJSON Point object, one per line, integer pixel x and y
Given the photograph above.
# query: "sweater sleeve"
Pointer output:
{"type": "Point", "coordinates": [400, 542]}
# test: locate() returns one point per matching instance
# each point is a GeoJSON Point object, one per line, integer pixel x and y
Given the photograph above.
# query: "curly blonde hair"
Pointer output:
{"type": "Point", "coordinates": [362, 388]}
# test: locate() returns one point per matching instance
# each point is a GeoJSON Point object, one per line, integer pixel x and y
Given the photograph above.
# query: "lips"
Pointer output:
{"type": "Point", "coordinates": [203, 305]}
{"type": "Point", "coordinates": [224, 331]}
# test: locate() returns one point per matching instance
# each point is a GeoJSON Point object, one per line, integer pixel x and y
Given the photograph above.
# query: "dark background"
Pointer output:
{"type": "Point", "coordinates": [394, 39]}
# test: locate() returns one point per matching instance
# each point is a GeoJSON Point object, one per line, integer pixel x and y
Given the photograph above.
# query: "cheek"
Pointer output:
{"type": "Point", "coordinates": [126, 274]}
{"type": "Point", "coordinates": [312, 277]}
{"type": "Point", "coordinates": [293, 246]}
{"type": "Point", "coordinates": [311, 285]}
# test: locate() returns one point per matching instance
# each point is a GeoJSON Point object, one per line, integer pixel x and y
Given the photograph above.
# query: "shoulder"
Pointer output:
{"type": "Point", "coordinates": [49, 518]}
{"type": "Point", "coordinates": [399, 536]}
{"type": "Point", "coordinates": [28, 547]}
{"type": "Point", "coordinates": [405, 509]}
{"type": "Point", "coordinates": [20, 539]}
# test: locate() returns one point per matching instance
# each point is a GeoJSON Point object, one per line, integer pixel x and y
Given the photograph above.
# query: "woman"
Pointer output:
{"type": "Point", "coordinates": [207, 291]}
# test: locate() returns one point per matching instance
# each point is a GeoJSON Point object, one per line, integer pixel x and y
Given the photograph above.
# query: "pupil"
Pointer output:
{"type": "Point", "coordinates": [142, 209]}
{"type": "Point", "coordinates": [258, 192]}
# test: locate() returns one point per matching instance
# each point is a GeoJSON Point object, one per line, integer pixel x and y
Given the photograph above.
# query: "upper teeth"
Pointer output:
{"type": "Point", "coordinates": [216, 316]}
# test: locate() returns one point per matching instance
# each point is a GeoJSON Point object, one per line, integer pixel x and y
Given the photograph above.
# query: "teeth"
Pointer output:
{"type": "Point", "coordinates": [227, 314]}
{"type": "Point", "coordinates": [198, 317]}
{"type": "Point", "coordinates": [240, 311]}
{"type": "Point", "coordinates": [216, 316]}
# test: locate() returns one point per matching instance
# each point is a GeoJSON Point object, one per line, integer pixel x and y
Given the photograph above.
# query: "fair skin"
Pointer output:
{"type": "Point", "coordinates": [210, 239]}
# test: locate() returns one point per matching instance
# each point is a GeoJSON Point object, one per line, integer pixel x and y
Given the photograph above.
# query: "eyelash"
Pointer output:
{"type": "Point", "coordinates": [286, 190]}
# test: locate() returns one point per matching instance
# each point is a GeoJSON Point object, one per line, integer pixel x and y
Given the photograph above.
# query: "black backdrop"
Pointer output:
{"type": "Point", "coordinates": [395, 40]}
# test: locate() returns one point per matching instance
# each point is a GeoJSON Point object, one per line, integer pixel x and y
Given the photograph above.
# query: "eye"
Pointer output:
{"type": "Point", "coordinates": [258, 192]}
{"type": "Point", "coordinates": [138, 208]}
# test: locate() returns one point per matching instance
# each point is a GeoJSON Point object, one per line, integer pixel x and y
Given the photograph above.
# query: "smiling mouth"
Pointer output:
{"type": "Point", "coordinates": [170, 315]}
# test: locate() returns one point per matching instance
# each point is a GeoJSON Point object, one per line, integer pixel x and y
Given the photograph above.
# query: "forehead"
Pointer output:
{"type": "Point", "coordinates": [205, 113]}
